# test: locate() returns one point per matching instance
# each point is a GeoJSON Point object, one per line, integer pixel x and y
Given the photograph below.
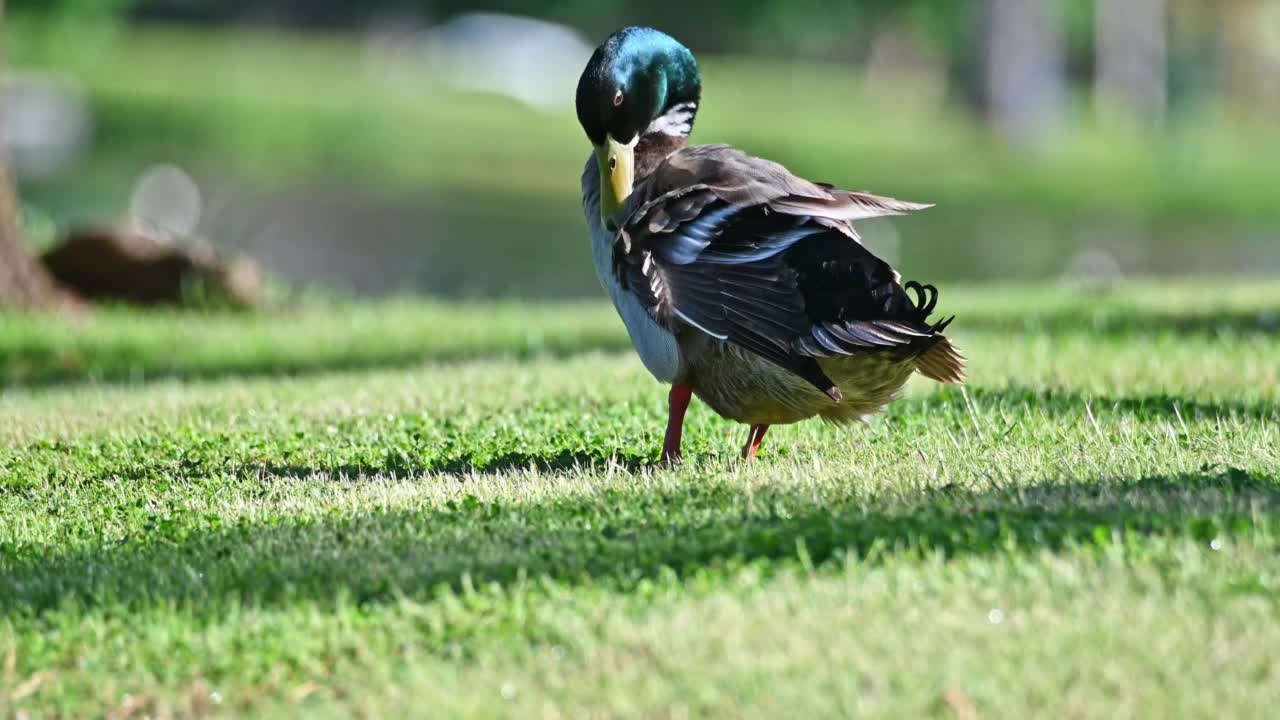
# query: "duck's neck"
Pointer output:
{"type": "Point", "coordinates": [664, 136]}
{"type": "Point", "coordinates": [653, 149]}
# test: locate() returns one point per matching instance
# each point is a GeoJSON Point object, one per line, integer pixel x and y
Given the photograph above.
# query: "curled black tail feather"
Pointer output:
{"type": "Point", "coordinates": [926, 298]}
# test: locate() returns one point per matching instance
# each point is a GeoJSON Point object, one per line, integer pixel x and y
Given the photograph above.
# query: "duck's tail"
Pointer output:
{"type": "Point", "coordinates": [942, 362]}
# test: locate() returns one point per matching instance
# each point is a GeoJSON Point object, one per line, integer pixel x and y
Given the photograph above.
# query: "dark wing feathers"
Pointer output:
{"type": "Point", "coordinates": [746, 252]}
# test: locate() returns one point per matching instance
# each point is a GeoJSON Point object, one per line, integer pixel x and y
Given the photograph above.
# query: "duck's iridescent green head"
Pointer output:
{"type": "Point", "coordinates": [638, 81]}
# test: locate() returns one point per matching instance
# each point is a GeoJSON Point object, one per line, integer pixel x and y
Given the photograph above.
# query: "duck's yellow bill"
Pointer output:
{"type": "Point", "coordinates": [617, 175]}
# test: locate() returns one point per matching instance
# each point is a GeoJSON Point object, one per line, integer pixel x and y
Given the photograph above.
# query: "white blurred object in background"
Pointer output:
{"type": "Point", "coordinates": [46, 124]}
{"type": "Point", "coordinates": [166, 198]}
{"type": "Point", "coordinates": [534, 61]}
{"type": "Point", "coordinates": [1093, 267]}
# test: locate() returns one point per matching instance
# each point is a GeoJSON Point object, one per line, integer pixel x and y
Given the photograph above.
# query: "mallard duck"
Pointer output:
{"type": "Point", "coordinates": [738, 281]}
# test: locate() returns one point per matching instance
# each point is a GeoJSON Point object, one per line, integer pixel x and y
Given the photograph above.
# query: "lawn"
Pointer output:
{"type": "Point", "coordinates": [428, 509]}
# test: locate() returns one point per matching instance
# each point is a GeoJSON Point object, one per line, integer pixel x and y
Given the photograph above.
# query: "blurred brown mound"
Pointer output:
{"type": "Point", "coordinates": [148, 268]}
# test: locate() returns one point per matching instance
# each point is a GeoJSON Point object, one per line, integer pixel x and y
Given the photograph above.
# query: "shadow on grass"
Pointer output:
{"type": "Point", "coordinates": [616, 537]}
{"type": "Point", "coordinates": [1124, 323]}
{"type": "Point", "coordinates": [46, 367]}
{"type": "Point", "coordinates": [1163, 406]}
{"type": "Point", "coordinates": [557, 462]}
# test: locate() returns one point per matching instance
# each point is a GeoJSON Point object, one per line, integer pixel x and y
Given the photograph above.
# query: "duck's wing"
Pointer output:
{"type": "Point", "coordinates": [746, 181]}
{"type": "Point", "coordinates": [742, 250]}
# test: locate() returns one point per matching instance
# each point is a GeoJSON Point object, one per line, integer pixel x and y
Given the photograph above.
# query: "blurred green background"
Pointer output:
{"type": "Point", "coordinates": [397, 146]}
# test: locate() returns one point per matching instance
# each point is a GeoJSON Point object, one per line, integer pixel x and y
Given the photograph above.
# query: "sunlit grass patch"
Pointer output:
{"type": "Point", "coordinates": [457, 508]}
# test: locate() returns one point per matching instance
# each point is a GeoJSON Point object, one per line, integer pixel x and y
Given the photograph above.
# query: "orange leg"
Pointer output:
{"type": "Point", "coordinates": [677, 404]}
{"type": "Point", "coordinates": [753, 441]}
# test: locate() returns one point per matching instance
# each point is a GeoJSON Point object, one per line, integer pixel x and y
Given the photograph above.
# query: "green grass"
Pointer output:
{"type": "Point", "coordinates": [421, 508]}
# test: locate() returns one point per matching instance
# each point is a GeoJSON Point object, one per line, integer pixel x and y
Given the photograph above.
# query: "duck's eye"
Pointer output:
{"type": "Point", "coordinates": [617, 98]}
{"type": "Point", "coordinates": [613, 163]}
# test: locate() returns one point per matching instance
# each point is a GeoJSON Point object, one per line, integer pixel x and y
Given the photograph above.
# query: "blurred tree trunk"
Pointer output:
{"type": "Point", "coordinates": [1023, 69]}
{"type": "Point", "coordinates": [1132, 47]}
{"type": "Point", "coordinates": [1246, 78]}
{"type": "Point", "coordinates": [23, 280]}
